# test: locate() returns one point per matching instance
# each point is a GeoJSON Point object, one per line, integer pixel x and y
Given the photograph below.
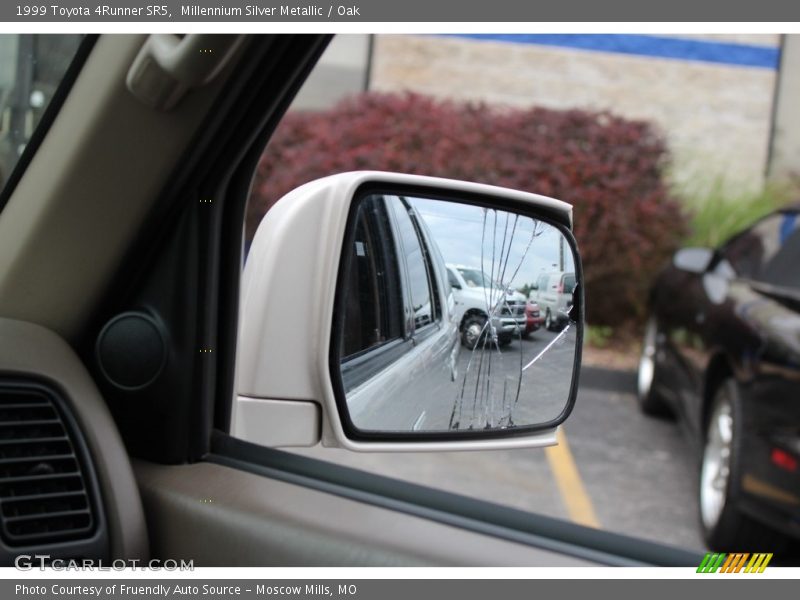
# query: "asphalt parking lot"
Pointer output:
{"type": "Point", "coordinates": [615, 468]}
{"type": "Point", "coordinates": [489, 387]}
{"type": "Point", "coordinates": [530, 380]}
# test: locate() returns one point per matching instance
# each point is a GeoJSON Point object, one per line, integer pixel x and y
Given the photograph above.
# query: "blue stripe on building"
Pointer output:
{"type": "Point", "coordinates": [726, 53]}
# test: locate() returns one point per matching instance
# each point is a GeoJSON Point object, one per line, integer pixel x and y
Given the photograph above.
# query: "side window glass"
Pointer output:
{"type": "Point", "coordinates": [781, 269]}
{"type": "Point", "coordinates": [745, 252]}
{"type": "Point", "coordinates": [373, 305]}
{"type": "Point", "coordinates": [767, 251]}
{"type": "Point", "coordinates": [419, 281]}
{"type": "Point", "coordinates": [31, 70]}
{"type": "Point", "coordinates": [543, 283]}
{"type": "Point", "coordinates": [569, 283]}
{"type": "Point", "coordinates": [452, 280]}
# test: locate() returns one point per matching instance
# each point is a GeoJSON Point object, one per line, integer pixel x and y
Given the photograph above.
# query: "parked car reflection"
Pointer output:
{"type": "Point", "coordinates": [553, 293]}
{"type": "Point", "coordinates": [533, 318]}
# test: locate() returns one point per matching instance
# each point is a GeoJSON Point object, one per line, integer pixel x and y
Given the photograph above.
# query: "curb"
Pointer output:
{"type": "Point", "coordinates": [612, 380]}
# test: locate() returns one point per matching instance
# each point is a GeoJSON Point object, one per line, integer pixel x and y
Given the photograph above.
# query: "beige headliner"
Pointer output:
{"type": "Point", "coordinates": [84, 196]}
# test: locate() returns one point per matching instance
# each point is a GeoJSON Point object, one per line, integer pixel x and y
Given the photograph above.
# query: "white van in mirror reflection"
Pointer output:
{"type": "Point", "coordinates": [475, 293]}
{"type": "Point", "coordinates": [553, 293]}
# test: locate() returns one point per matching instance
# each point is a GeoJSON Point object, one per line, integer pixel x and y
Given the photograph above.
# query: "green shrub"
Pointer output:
{"type": "Point", "coordinates": [599, 336]}
{"type": "Point", "coordinates": [717, 212]}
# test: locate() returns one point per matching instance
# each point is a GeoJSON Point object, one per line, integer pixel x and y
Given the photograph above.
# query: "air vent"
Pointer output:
{"type": "Point", "coordinates": [43, 490]}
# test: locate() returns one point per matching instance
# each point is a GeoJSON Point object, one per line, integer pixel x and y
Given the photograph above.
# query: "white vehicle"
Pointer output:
{"type": "Point", "coordinates": [398, 317]}
{"type": "Point", "coordinates": [477, 296]}
{"type": "Point", "coordinates": [553, 293]}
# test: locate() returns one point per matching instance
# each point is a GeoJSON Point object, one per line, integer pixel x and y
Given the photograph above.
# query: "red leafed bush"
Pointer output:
{"type": "Point", "coordinates": [611, 169]}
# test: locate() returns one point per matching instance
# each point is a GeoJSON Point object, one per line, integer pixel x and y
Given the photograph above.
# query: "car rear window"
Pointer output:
{"type": "Point", "coordinates": [569, 283]}
{"type": "Point", "coordinates": [475, 278]}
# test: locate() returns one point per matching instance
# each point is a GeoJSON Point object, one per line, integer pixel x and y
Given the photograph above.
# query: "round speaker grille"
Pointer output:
{"type": "Point", "coordinates": [132, 350]}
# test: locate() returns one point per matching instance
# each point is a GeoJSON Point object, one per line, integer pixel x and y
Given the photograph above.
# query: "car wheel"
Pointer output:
{"type": "Point", "coordinates": [725, 527]}
{"type": "Point", "coordinates": [525, 334]}
{"type": "Point", "coordinates": [472, 331]}
{"type": "Point", "coordinates": [651, 402]}
{"type": "Point", "coordinates": [504, 340]}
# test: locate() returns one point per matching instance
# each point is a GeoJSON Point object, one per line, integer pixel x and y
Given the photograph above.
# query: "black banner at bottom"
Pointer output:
{"type": "Point", "coordinates": [732, 586]}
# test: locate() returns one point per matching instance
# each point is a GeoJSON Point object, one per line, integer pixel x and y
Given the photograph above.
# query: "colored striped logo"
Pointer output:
{"type": "Point", "coordinates": [734, 563]}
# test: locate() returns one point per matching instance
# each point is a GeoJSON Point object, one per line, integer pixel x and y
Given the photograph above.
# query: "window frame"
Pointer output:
{"type": "Point", "coordinates": [397, 304]}
{"type": "Point", "coordinates": [459, 511]}
{"type": "Point", "coordinates": [362, 366]}
{"type": "Point", "coordinates": [417, 335]}
{"type": "Point", "coordinates": [218, 283]}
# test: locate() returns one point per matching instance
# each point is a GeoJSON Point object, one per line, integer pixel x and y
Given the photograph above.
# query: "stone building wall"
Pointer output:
{"type": "Point", "coordinates": [717, 116]}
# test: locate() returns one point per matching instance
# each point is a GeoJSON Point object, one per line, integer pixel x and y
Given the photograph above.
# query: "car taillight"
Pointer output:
{"type": "Point", "coordinates": [783, 459]}
{"type": "Point", "coordinates": [560, 288]}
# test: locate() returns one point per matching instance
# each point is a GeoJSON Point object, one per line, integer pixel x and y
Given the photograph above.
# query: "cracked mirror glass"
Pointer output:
{"type": "Point", "coordinates": [454, 317]}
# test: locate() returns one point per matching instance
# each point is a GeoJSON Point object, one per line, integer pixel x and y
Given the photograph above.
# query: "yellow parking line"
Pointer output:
{"type": "Point", "coordinates": [579, 505]}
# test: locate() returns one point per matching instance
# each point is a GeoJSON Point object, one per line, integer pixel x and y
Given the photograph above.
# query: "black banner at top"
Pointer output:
{"type": "Point", "coordinates": [441, 11]}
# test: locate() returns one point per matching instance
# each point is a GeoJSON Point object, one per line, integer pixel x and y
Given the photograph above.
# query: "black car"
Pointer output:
{"type": "Point", "coordinates": [721, 352]}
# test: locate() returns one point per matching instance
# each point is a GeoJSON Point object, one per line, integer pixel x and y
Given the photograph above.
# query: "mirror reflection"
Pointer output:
{"type": "Point", "coordinates": [454, 317]}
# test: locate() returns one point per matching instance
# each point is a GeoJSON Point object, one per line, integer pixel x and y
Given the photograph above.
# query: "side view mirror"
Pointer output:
{"type": "Point", "coordinates": [693, 260]}
{"type": "Point", "coordinates": [378, 353]}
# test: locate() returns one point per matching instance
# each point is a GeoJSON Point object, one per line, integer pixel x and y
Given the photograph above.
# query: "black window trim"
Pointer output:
{"type": "Point", "coordinates": [360, 368]}
{"type": "Point", "coordinates": [413, 332]}
{"type": "Point", "coordinates": [433, 275]}
{"type": "Point", "coordinates": [396, 304]}
{"type": "Point", "coordinates": [426, 331]}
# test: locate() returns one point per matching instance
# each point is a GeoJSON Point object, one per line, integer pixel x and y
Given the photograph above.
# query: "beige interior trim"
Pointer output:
{"type": "Point", "coordinates": [85, 194]}
{"type": "Point", "coordinates": [31, 350]}
{"type": "Point", "coordinates": [219, 516]}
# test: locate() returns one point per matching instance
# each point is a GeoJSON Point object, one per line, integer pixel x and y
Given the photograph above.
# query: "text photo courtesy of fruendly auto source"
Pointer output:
{"type": "Point", "coordinates": [679, 155]}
